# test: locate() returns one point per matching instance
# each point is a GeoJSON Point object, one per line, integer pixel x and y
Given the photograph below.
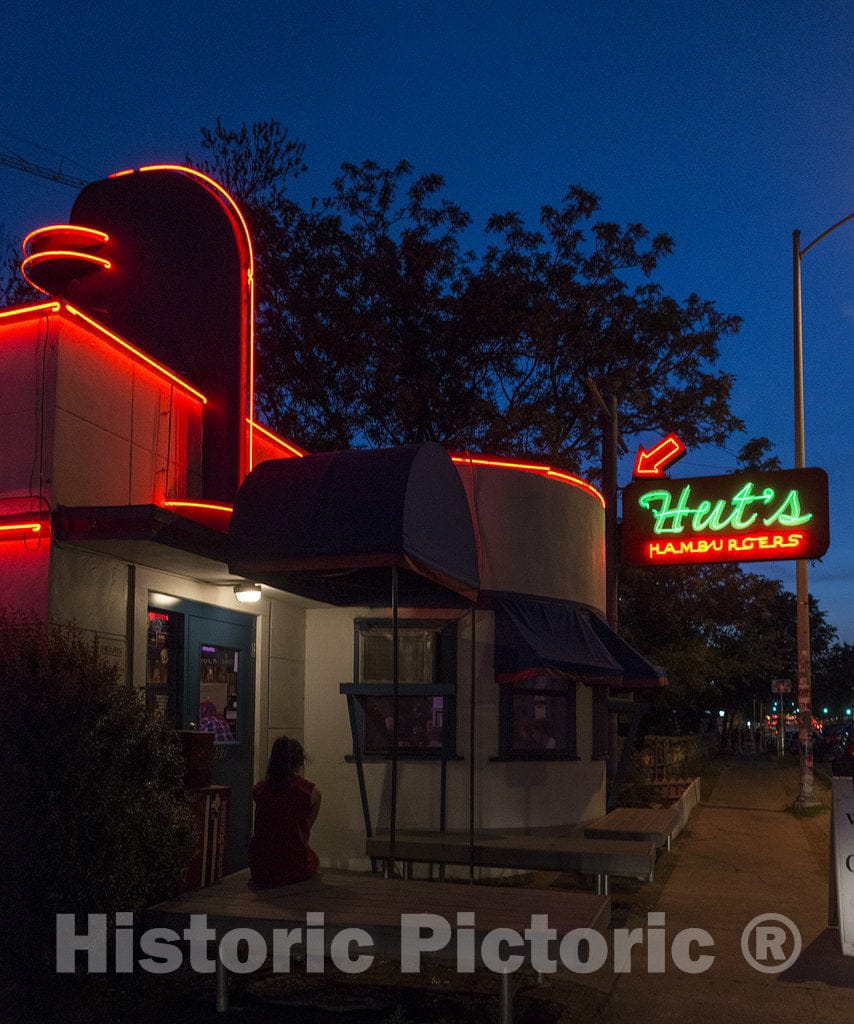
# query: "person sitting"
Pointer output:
{"type": "Point", "coordinates": [286, 806]}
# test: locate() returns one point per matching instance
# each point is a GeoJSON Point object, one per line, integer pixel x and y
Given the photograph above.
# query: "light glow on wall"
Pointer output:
{"type": "Point", "coordinates": [213, 515]}
{"type": "Point", "coordinates": [24, 526]}
{"type": "Point", "coordinates": [208, 505]}
{"type": "Point", "coordinates": [25, 311]}
{"type": "Point", "coordinates": [52, 255]}
{"type": "Point", "coordinates": [290, 448]}
{"type": "Point", "coordinates": [135, 352]}
{"type": "Point", "coordinates": [65, 234]}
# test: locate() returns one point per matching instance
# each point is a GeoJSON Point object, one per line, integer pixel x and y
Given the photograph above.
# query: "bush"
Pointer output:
{"type": "Point", "coordinates": [93, 816]}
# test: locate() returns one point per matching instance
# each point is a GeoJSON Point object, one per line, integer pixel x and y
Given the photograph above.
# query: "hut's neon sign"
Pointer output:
{"type": "Point", "coordinates": [735, 514]}
{"type": "Point", "coordinates": [742, 517]}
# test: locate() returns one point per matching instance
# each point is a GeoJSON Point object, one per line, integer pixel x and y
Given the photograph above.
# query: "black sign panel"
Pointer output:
{"type": "Point", "coordinates": [750, 516]}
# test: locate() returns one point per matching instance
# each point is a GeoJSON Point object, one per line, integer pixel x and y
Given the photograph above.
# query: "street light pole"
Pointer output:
{"type": "Point", "coordinates": [806, 796]}
{"type": "Point", "coordinates": [610, 427]}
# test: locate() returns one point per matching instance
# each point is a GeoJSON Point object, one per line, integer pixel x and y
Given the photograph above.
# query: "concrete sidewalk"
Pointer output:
{"type": "Point", "coordinates": [744, 855]}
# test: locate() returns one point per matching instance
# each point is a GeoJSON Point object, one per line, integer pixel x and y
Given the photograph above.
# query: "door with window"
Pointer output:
{"type": "Point", "coordinates": [221, 699]}
{"type": "Point", "coordinates": [202, 675]}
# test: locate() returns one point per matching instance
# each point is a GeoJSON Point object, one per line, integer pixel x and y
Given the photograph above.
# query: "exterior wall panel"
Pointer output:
{"type": "Point", "coordinates": [539, 537]}
{"type": "Point", "coordinates": [513, 794]}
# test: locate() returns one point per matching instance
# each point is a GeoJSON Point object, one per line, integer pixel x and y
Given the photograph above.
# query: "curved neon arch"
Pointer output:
{"type": "Point", "coordinates": [231, 207]}
{"type": "Point", "coordinates": [69, 231]}
{"type": "Point", "coordinates": [59, 254]}
{"type": "Point", "coordinates": [532, 467]}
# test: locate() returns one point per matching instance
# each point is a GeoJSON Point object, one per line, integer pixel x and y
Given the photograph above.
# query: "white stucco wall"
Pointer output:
{"type": "Point", "coordinates": [109, 598]}
{"type": "Point", "coordinates": [117, 427]}
{"type": "Point", "coordinates": [514, 794]}
{"type": "Point", "coordinates": [538, 536]}
{"type": "Point", "coordinates": [124, 434]}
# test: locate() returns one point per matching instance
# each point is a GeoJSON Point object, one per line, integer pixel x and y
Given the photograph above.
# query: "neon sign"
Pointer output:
{"type": "Point", "coordinates": [741, 517]}
{"type": "Point", "coordinates": [654, 461]}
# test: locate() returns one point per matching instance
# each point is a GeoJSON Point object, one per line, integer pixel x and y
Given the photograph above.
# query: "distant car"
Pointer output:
{"type": "Point", "coordinates": [833, 738]}
{"type": "Point", "coordinates": [793, 742]}
{"type": "Point", "coordinates": [843, 758]}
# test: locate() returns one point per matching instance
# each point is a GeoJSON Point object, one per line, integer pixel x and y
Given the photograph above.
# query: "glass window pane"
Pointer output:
{"type": "Point", "coordinates": [163, 664]}
{"type": "Point", "coordinates": [417, 650]}
{"type": "Point", "coordinates": [218, 675]}
{"type": "Point", "coordinates": [539, 722]}
{"type": "Point", "coordinates": [419, 725]}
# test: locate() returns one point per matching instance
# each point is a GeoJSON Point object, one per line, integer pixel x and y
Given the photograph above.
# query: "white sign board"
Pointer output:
{"type": "Point", "coordinates": [843, 859]}
{"type": "Point", "coordinates": [112, 651]}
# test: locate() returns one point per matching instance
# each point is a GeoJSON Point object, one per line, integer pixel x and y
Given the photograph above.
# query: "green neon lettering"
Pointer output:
{"type": "Point", "coordinates": [789, 513]}
{"type": "Point", "coordinates": [711, 522]}
{"type": "Point", "coordinates": [667, 519]}
{"type": "Point", "coordinates": [746, 497]}
{"type": "Point", "coordinates": [735, 514]}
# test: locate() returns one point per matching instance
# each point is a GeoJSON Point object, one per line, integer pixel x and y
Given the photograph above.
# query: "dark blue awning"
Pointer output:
{"type": "Point", "coordinates": [560, 637]}
{"type": "Point", "coordinates": [329, 526]}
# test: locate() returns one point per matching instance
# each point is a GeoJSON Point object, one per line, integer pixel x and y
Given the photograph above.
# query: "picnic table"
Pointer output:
{"type": "Point", "coordinates": [376, 905]}
{"type": "Point", "coordinates": [650, 824]}
{"type": "Point", "coordinates": [599, 857]}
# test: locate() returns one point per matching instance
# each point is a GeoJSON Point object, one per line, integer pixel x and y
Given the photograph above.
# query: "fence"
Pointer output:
{"type": "Point", "coordinates": [672, 758]}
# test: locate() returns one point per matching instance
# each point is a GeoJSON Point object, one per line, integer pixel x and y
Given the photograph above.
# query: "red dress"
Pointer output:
{"type": "Point", "coordinates": [278, 850]}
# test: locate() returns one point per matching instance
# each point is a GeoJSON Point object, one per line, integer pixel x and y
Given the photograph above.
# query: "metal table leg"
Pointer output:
{"type": "Point", "coordinates": [221, 986]}
{"type": "Point", "coordinates": [505, 999]}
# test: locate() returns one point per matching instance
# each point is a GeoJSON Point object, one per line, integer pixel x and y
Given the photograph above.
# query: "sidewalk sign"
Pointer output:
{"type": "Point", "coordinates": [842, 862]}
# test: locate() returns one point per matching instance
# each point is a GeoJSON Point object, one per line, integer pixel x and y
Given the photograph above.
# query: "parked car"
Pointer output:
{"type": "Point", "coordinates": [832, 740]}
{"type": "Point", "coordinates": [843, 758]}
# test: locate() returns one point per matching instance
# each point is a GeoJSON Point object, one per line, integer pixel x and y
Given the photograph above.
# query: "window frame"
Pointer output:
{"type": "Point", "coordinates": [507, 722]}
{"type": "Point", "coordinates": [173, 689]}
{"type": "Point", "coordinates": [444, 685]}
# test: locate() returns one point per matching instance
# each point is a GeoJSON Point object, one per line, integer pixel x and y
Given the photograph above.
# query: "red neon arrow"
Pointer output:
{"type": "Point", "coordinates": [653, 462]}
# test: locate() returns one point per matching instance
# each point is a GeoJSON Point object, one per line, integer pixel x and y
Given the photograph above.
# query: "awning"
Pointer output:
{"type": "Point", "coordinates": [637, 671]}
{"type": "Point", "coordinates": [329, 526]}
{"type": "Point", "coordinates": [536, 637]}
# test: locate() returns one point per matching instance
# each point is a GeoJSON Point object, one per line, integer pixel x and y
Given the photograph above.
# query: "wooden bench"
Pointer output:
{"type": "Point", "coordinates": [653, 825]}
{"type": "Point", "coordinates": [599, 857]}
{"type": "Point", "coordinates": [657, 825]}
{"type": "Point", "coordinates": [376, 904]}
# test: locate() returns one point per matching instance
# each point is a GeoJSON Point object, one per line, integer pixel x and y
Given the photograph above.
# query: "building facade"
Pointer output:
{"type": "Point", "coordinates": [130, 466]}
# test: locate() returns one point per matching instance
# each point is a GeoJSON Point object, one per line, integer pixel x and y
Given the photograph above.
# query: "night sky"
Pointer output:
{"type": "Point", "coordinates": [724, 124]}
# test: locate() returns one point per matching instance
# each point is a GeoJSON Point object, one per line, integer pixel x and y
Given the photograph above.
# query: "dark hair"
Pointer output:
{"type": "Point", "coordinates": [287, 758]}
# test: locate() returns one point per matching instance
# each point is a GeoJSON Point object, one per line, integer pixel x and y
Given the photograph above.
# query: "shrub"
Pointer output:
{"type": "Point", "coordinates": [93, 816]}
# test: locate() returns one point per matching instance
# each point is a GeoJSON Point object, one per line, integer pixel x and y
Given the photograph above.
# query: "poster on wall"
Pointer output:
{"type": "Point", "coordinates": [750, 516]}
{"type": "Point", "coordinates": [112, 651]}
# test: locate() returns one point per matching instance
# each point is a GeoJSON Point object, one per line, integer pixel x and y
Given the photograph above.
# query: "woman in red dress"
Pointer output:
{"type": "Point", "coordinates": [286, 806]}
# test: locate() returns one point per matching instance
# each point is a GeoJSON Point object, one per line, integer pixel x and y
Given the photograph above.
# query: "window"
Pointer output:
{"type": "Point", "coordinates": [427, 688]}
{"type": "Point", "coordinates": [420, 724]}
{"type": "Point", "coordinates": [417, 651]}
{"type": "Point", "coordinates": [538, 718]}
{"type": "Point", "coordinates": [219, 671]}
{"type": "Point", "coordinates": [164, 664]}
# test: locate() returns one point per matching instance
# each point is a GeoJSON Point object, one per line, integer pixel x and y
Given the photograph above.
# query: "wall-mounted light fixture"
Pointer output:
{"type": "Point", "coordinates": [248, 593]}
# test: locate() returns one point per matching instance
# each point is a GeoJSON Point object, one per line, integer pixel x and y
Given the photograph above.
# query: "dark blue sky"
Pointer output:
{"type": "Point", "coordinates": [725, 124]}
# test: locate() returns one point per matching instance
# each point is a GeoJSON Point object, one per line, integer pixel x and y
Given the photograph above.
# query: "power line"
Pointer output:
{"type": "Point", "coordinates": [20, 164]}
